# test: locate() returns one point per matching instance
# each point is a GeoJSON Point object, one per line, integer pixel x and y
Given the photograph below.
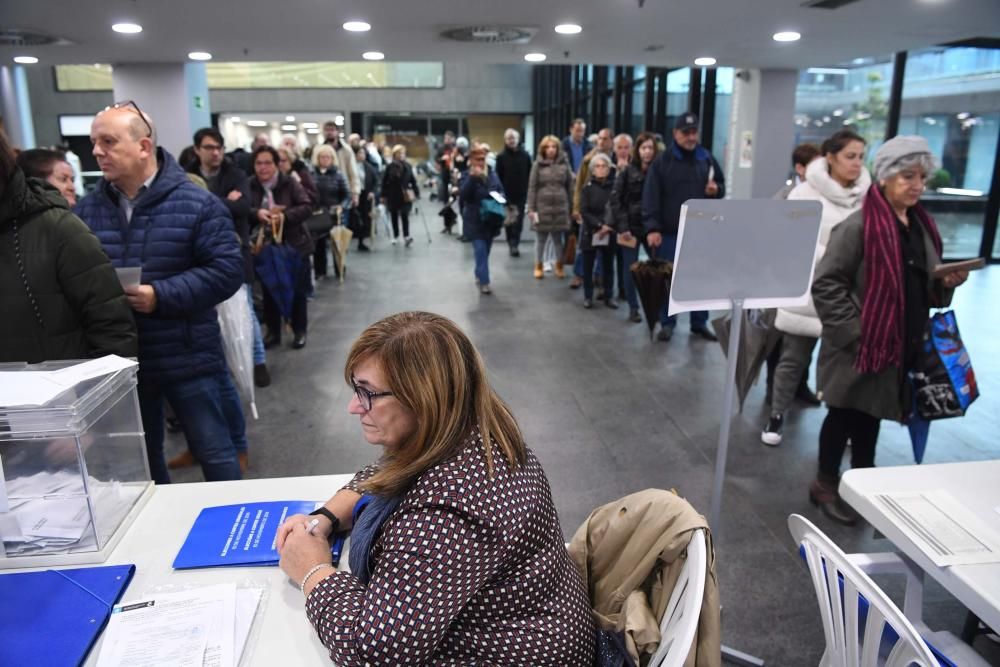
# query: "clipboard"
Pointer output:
{"type": "Point", "coordinates": [53, 617]}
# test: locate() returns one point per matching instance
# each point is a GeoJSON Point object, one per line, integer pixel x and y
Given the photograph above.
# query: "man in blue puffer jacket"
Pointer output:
{"type": "Point", "coordinates": [147, 214]}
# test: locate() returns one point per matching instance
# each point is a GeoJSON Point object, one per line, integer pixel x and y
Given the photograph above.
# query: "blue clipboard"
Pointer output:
{"type": "Point", "coordinates": [53, 617]}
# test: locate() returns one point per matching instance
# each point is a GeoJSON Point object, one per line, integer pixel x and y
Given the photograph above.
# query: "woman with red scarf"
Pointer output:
{"type": "Point", "coordinates": [873, 290]}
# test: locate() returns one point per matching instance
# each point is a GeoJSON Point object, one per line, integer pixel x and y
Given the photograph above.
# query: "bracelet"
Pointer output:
{"type": "Point", "coordinates": [313, 570]}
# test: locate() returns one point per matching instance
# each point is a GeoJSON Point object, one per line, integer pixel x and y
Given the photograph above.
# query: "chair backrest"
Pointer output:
{"type": "Point", "coordinates": [680, 619]}
{"type": "Point", "coordinates": [839, 586]}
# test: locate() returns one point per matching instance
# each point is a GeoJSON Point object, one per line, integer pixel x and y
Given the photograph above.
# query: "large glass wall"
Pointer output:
{"type": "Point", "coordinates": [951, 97]}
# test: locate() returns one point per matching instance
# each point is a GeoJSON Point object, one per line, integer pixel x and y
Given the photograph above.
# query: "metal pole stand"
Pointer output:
{"type": "Point", "coordinates": [730, 655]}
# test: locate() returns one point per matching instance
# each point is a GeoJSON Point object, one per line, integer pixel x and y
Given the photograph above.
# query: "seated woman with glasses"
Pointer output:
{"type": "Point", "coordinates": [457, 556]}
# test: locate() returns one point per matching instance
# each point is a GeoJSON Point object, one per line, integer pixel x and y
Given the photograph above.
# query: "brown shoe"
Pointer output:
{"type": "Point", "coordinates": [183, 460]}
{"type": "Point", "coordinates": [539, 270]}
{"type": "Point", "coordinates": [823, 494]}
{"type": "Point", "coordinates": [560, 274]}
{"type": "Point", "coordinates": [244, 458]}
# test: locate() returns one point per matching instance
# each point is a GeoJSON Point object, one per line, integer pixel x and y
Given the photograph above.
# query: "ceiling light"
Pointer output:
{"type": "Point", "coordinates": [373, 55]}
{"type": "Point", "coordinates": [25, 60]}
{"type": "Point", "coordinates": [234, 119]}
{"type": "Point", "coordinates": [535, 57]}
{"type": "Point", "coordinates": [786, 36]}
{"type": "Point", "coordinates": [961, 116]}
{"type": "Point", "coordinates": [127, 28]}
{"type": "Point", "coordinates": [200, 55]}
{"type": "Point", "coordinates": [312, 130]}
{"type": "Point", "coordinates": [309, 126]}
{"type": "Point", "coordinates": [290, 119]}
{"type": "Point", "coordinates": [338, 120]}
{"type": "Point", "coordinates": [704, 62]}
{"type": "Point", "coordinates": [357, 26]}
{"type": "Point", "coordinates": [568, 29]}
{"type": "Point", "coordinates": [257, 123]}
{"type": "Point", "coordinates": [289, 128]}
{"type": "Point", "coordinates": [838, 112]}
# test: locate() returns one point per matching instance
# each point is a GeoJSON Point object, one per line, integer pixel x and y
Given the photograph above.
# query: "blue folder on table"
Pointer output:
{"type": "Point", "coordinates": [241, 534]}
{"type": "Point", "coordinates": [53, 617]}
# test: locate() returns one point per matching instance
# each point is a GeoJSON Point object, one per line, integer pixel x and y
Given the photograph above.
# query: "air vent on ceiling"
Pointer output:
{"type": "Point", "coordinates": [490, 34]}
{"type": "Point", "coordinates": [827, 4]}
{"type": "Point", "coordinates": [27, 37]}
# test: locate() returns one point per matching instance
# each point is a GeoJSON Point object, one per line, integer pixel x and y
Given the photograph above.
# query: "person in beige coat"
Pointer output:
{"type": "Point", "coordinates": [550, 196]}
{"type": "Point", "coordinates": [629, 554]}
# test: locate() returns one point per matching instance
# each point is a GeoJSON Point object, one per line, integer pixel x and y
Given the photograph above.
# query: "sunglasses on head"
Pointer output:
{"type": "Point", "coordinates": [129, 105]}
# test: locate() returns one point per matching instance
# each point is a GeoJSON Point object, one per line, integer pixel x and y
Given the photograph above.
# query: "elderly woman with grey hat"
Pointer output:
{"type": "Point", "coordinates": [873, 290]}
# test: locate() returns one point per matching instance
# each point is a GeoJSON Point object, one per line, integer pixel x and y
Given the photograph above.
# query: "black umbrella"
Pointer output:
{"type": "Point", "coordinates": [449, 215]}
{"type": "Point", "coordinates": [652, 284]}
{"type": "Point", "coordinates": [757, 338]}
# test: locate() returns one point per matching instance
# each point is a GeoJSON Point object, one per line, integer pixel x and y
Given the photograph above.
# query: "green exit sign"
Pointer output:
{"type": "Point", "coordinates": [199, 102]}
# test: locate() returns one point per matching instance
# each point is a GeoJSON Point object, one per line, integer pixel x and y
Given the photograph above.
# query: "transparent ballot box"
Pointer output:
{"type": "Point", "coordinates": [73, 469]}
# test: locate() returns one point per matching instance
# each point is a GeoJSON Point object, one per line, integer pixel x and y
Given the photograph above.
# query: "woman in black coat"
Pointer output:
{"type": "Point", "coordinates": [276, 198]}
{"type": "Point", "coordinates": [369, 185]}
{"type": "Point", "coordinates": [595, 227]}
{"type": "Point", "coordinates": [333, 193]}
{"type": "Point", "coordinates": [399, 189]}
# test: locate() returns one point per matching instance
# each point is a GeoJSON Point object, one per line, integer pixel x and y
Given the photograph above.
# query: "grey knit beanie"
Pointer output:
{"type": "Point", "coordinates": [897, 149]}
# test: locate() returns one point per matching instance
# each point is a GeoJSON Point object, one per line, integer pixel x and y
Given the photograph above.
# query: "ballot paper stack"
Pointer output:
{"type": "Point", "coordinates": [207, 626]}
{"type": "Point", "coordinates": [72, 459]}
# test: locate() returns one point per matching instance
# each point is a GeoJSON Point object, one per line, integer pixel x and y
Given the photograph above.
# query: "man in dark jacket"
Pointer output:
{"type": "Point", "coordinates": [59, 294]}
{"type": "Point", "coordinates": [225, 180]}
{"type": "Point", "coordinates": [685, 170]}
{"type": "Point", "coordinates": [147, 213]}
{"type": "Point", "coordinates": [513, 169]}
{"type": "Point", "coordinates": [575, 146]}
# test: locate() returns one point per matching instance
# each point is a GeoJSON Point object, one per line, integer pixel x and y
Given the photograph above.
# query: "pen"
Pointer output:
{"type": "Point", "coordinates": [311, 526]}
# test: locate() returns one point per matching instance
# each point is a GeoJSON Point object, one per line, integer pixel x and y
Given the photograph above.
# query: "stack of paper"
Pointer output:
{"type": "Point", "coordinates": [206, 626]}
{"type": "Point", "coordinates": [48, 512]}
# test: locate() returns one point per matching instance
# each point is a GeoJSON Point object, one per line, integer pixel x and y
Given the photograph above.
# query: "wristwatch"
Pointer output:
{"type": "Point", "coordinates": [329, 515]}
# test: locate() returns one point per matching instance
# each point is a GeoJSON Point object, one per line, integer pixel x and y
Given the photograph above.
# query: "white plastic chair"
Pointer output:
{"type": "Point", "coordinates": [847, 644]}
{"type": "Point", "coordinates": [680, 619]}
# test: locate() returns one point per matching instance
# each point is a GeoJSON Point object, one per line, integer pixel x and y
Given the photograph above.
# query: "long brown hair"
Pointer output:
{"type": "Point", "coordinates": [639, 141]}
{"type": "Point", "coordinates": [548, 139]}
{"type": "Point", "coordinates": [433, 370]}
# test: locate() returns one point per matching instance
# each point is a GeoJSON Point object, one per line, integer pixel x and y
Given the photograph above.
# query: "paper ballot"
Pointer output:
{"type": "Point", "coordinates": [200, 627]}
{"type": "Point", "coordinates": [33, 388]}
{"type": "Point", "coordinates": [130, 276]}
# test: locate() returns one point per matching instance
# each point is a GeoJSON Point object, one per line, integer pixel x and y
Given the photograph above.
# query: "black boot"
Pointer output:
{"type": "Point", "coordinates": [823, 494]}
{"type": "Point", "coordinates": [805, 394]}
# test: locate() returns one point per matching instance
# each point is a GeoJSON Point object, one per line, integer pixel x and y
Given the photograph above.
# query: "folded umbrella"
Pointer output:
{"type": "Point", "coordinates": [652, 283]}
{"type": "Point", "coordinates": [277, 265]}
{"type": "Point", "coordinates": [341, 237]}
{"type": "Point", "coordinates": [757, 339]}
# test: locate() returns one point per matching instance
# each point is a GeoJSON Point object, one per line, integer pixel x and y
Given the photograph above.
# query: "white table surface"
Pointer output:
{"type": "Point", "coordinates": [974, 484]}
{"type": "Point", "coordinates": [283, 635]}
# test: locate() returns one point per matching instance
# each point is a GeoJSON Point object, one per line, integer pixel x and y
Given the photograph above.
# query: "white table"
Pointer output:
{"type": "Point", "coordinates": [974, 484]}
{"type": "Point", "coordinates": [284, 635]}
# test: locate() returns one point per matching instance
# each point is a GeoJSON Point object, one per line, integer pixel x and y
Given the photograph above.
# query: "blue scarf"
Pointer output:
{"type": "Point", "coordinates": [369, 514]}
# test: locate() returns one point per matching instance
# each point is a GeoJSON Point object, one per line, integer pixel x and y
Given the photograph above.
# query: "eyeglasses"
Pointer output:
{"type": "Point", "coordinates": [131, 103]}
{"type": "Point", "coordinates": [365, 397]}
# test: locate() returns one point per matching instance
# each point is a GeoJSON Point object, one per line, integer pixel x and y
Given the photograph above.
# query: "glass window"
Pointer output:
{"type": "Point", "coordinates": [678, 85]}
{"type": "Point", "coordinates": [638, 121]}
{"type": "Point", "coordinates": [951, 97]}
{"type": "Point", "coordinates": [723, 112]}
{"type": "Point", "coordinates": [83, 77]}
{"type": "Point", "coordinates": [639, 73]}
{"type": "Point", "coordinates": [854, 95]}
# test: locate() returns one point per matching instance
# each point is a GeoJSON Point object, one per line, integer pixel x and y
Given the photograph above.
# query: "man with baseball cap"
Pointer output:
{"type": "Point", "coordinates": [685, 170]}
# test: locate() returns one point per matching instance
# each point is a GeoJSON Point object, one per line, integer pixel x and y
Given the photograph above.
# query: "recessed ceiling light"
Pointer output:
{"type": "Point", "coordinates": [127, 28]}
{"type": "Point", "coordinates": [25, 60]}
{"type": "Point", "coordinates": [290, 119]}
{"type": "Point", "coordinates": [309, 126]}
{"type": "Point", "coordinates": [373, 55]}
{"type": "Point", "coordinates": [961, 116]}
{"type": "Point", "coordinates": [289, 128]}
{"type": "Point", "coordinates": [338, 120]}
{"type": "Point", "coordinates": [786, 36]}
{"type": "Point", "coordinates": [257, 123]}
{"type": "Point", "coordinates": [535, 57]}
{"type": "Point", "coordinates": [312, 130]}
{"type": "Point", "coordinates": [235, 119]}
{"type": "Point", "coordinates": [704, 62]}
{"type": "Point", "coordinates": [200, 55]}
{"type": "Point", "coordinates": [568, 29]}
{"type": "Point", "coordinates": [357, 26]}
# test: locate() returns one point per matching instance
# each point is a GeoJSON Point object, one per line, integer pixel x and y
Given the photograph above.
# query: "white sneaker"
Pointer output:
{"type": "Point", "coordinates": [394, 242]}
{"type": "Point", "coordinates": [771, 434]}
{"type": "Point", "coordinates": [547, 267]}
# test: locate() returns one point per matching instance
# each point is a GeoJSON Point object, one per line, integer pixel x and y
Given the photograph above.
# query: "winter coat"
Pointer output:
{"type": "Point", "coordinates": [594, 200]}
{"type": "Point", "coordinates": [550, 193]}
{"type": "Point", "coordinates": [185, 242]}
{"type": "Point", "coordinates": [397, 178]}
{"type": "Point", "coordinates": [472, 191]}
{"type": "Point", "coordinates": [629, 554]}
{"type": "Point", "coordinates": [59, 294]}
{"type": "Point", "coordinates": [332, 188]}
{"type": "Point", "coordinates": [345, 156]}
{"type": "Point", "coordinates": [583, 177]}
{"type": "Point", "coordinates": [305, 179]}
{"type": "Point", "coordinates": [514, 170]}
{"type": "Point", "coordinates": [838, 203]}
{"type": "Point", "coordinates": [626, 201]}
{"type": "Point", "coordinates": [674, 177]}
{"type": "Point", "coordinates": [838, 292]}
{"type": "Point", "coordinates": [230, 178]}
{"type": "Point", "coordinates": [288, 193]}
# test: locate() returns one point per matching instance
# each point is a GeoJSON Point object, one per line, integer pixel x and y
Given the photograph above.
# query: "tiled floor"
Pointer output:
{"type": "Point", "coordinates": [609, 412]}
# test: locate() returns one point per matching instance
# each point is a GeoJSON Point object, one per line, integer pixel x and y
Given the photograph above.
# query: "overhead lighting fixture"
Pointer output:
{"type": "Point", "coordinates": [312, 130]}
{"type": "Point", "coordinates": [200, 55]}
{"type": "Point", "coordinates": [338, 120]}
{"type": "Point", "coordinates": [373, 55]}
{"type": "Point", "coordinates": [837, 113]}
{"type": "Point", "coordinates": [535, 57]}
{"type": "Point", "coordinates": [704, 62]}
{"type": "Point", "coordinates": [961, 116]}
{"type": "Point", "coordinates": [25, 60]}
{"type": "Point", "coordinates": [357, 26]}
{"type": "Point", "coordinates": [309, 126]}
{"type": "Point", "coordinates": [127, 28]}
{"type": "Point", "coordinates": [568, 29]}
{"type": "Point", "coordinates": [289, 128]}
{"type": "Point", "coordinates": [257, 123]}
{"type": "Point", "coordinates": [786, 36]}
{"type": "Point", "coordinates": [235, 119]}
{"type": "Point", "coordinates": [290, 119]}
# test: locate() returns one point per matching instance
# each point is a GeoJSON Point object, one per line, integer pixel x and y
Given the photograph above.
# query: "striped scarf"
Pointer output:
{"type": "Point", "coordinates": [882, 316]}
